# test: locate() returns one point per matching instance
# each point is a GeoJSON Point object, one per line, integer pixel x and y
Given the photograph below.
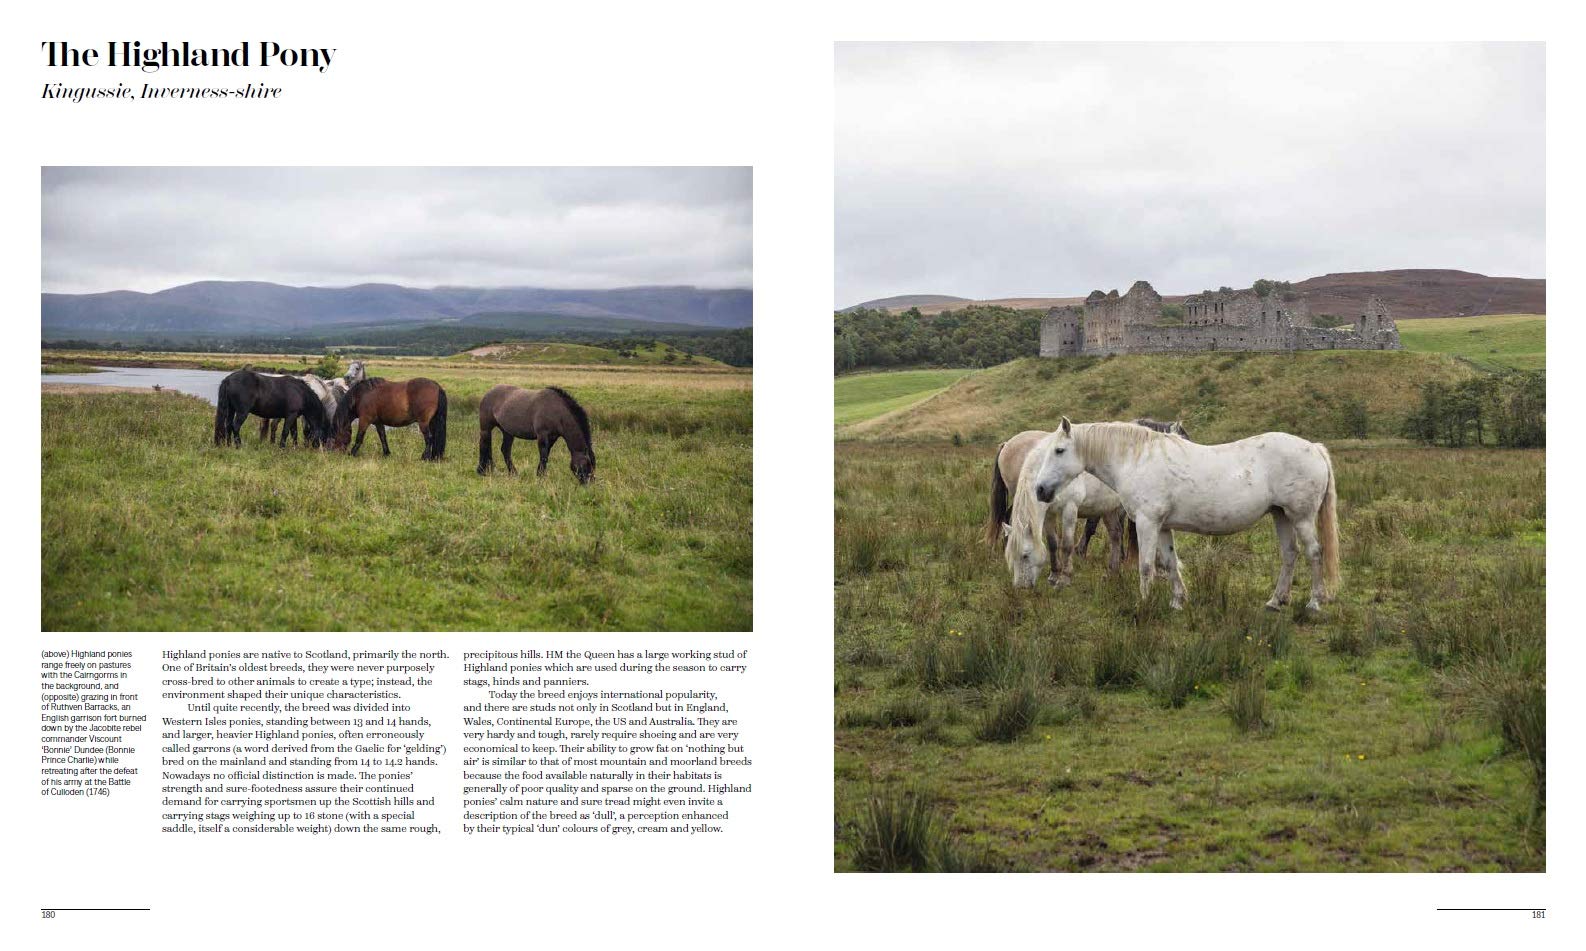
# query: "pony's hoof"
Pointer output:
{"type": "Point", "coordinates": [1176, 604]}
{"type": "Point", "coordinates": [1274, 605]}
{"type": "Point", "coordinates": [1311, 607]}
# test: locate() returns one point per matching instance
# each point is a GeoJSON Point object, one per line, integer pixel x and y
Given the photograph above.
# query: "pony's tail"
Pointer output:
{"type": "Point", "coordinates": [222, 417]}
{"type": "Point", "coordinates": [999, 503]}
{"type": "Point", "coordinates": [1327, 531]}
{"type": "Point", "coordinates": [438, 427]}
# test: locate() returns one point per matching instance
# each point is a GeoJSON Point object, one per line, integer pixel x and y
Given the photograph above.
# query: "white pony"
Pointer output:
{"type": "Point", "coordinates": [330, 393]}
{"type": "Point", "coordinates": [1168, 483]}
{"type": "Point", "coordinates": [1024, 526]}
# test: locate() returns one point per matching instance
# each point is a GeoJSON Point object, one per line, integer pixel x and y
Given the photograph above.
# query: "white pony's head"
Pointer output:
{"type": "Point", "coordinates": [1024, 538]}
{"type": "Point", "coordinates": [1055, 463]}
{"type": "Point", "coordinates": [1026, 556]}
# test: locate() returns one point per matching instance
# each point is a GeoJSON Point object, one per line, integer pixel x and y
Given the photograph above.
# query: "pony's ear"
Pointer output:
{"type": "Point", "coordinates": [1006, 530]}
{"type": "Point", "coordinates": [1064, 426]}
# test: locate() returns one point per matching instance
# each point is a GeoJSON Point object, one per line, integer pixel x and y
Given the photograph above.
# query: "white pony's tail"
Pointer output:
{"type": "Point", "coordinates": [1327, 531]}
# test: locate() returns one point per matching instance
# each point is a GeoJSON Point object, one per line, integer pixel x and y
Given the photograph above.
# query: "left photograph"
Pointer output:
{"type": "Point", "coordinates": [439, 399]}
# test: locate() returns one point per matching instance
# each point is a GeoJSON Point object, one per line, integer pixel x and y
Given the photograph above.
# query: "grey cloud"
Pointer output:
{"type": "Point", "coordinates": [991, 170]}
{"type": "Point", "coordinates": [150, 228]}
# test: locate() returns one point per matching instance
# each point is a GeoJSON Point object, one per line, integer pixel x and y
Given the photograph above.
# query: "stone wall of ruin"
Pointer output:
{"type": "Point", "coordinates": [1217, 320]}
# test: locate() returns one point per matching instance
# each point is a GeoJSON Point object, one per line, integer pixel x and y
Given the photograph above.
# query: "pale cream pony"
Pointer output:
{"type": "Point", "coordinates": [1024, 525]}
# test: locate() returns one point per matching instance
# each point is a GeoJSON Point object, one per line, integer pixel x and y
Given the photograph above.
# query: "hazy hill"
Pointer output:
{"type": "Point", "coordinates": [1425, 293]}
{"type": "Point", "coordinates": [256, 307]}
{"type": "Point", "coordinates": [1409, 294]}
{"type": "Point", "coordinates": [905, 301]}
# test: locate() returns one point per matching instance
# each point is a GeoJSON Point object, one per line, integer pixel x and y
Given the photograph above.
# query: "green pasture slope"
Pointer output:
{"type": "Point", "coordinates": [146, 525]}
{"type": "Point", "coordinates": [867, 395]}
{"type": "Point", "coordinates": [1220, 396]}
{"type": "Point", "coordinates": [979, 727]}
{"type": "Point", "coordinates": [1513, 341]}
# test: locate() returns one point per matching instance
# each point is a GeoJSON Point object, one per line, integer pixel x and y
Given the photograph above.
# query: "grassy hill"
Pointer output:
{"type": "Point", "coordinates": [868, 395]}
{"type": "Point", "coordinates": [550, 352]}
{"type": "Point", "coordinates": [1221, 396]}
{"type": "Point", "coordinates": [1514, 341]}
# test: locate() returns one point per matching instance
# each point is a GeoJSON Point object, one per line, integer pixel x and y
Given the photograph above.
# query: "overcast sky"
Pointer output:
{"type": "Point", "coordinates": [147, 229]}
{"type": "Point", "coordinates": [1004, 170]}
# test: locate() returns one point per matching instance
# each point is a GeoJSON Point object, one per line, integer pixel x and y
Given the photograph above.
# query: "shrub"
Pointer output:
{"type": "Point", "coordinates": [328, 367]}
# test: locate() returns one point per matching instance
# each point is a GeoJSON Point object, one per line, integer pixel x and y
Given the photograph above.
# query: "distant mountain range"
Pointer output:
{"type": "Point", "coordinates": [1409, 293]}
{"type": "Point", "coordinates": [260, 308]}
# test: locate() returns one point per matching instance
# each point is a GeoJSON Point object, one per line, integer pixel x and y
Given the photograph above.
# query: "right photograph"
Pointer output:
{"type": "Point", "coordinates": [1190, 421]}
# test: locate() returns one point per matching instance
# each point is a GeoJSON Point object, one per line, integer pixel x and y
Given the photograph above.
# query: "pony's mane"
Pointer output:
{"type": "Point", "coordinates": [1029, 514]}
{"type": "Point", "coordinates": [1112, 440]}
{"type": "Point", "coordinates": [349, 402]}
{"type": "Point", "coordinates": [577, 411]}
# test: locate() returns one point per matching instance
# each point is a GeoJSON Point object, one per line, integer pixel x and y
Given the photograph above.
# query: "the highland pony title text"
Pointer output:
{"type": "Point", "coordinates": [152, 57]}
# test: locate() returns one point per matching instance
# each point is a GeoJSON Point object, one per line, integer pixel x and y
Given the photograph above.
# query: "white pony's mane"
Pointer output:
{"type": "Point", "coordinates": [1099, 441]}
{"type": "Point", "coordinates": [1029, 514]}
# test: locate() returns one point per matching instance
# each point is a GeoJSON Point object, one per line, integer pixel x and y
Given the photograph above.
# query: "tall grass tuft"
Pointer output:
{"type": "Point", "coordinates": [1009, 714]}
{"type": "Point", "coordinates": [902, 832]}
{"type": "Point", "coordinates": [1170, 676]}
{"type": "Point", "coordinates": [1512, 696]}
{"type": "Point", "coordinates": [1247, 702]}
{"type": "Point", "coordinates": [896, 712]}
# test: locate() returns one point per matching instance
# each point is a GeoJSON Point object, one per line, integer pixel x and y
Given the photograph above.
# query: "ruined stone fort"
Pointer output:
{"type": "Point", "coordinates": [1215, 320]}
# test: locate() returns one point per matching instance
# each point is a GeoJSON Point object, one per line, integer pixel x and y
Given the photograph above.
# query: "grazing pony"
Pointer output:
{"type": "Point", "coordinates": [1024, 524]}
{"type": "Point", "coordinates": [377, 402]}
{"type": "Point", "coordinates": [1171, 484]}
{"type": "Point", "coordinates": [542, 415]}
{"type": "Point", "coordinates": [271, 397]}
{"type": "Point", "coordinates": [330, 393]}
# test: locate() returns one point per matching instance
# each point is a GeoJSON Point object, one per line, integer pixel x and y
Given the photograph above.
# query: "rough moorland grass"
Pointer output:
{"type": "Point", "coordinates": [1221, 395]}
{"type": "Point", "coordinates": [146, 525]}
{"type": "Point", "coordinates": [866, 395]}
{"type": "Point", "coordinates": [1515, 341]}
{"type": "Point", "coordinates": [1402, 730]}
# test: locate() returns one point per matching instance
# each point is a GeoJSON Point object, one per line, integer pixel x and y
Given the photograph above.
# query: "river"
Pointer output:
{"type": "Point", "coordinates": [204, 383]}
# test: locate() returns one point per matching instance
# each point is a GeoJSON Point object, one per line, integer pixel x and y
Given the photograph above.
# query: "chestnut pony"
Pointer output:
{"type": "Point", "coordinates": [380, 403]}
{"type": "Point", "coordinates": [542, 415]}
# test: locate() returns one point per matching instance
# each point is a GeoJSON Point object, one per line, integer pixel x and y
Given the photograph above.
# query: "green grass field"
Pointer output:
{"type": "Point", "coordinates": [980, 727]}
{"type": "Point", "coordinates": [146, 525]}
{"type": "Point", "coordinates": [1513, 341]}
{"type": "Point", "coordinates": [867, 395]}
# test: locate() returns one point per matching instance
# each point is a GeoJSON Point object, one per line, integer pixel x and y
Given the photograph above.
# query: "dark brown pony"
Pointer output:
{"type": "Point", "coordinates": [380, 403]}
{"type": "Point", "coordinates": [542, 415]}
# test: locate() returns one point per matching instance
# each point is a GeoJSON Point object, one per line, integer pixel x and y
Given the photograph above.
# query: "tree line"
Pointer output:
{"type": "Point", "coordinates": [1505, 409]}
{"type": "Point", "coordinates": [975, 336]}
{"type": "Point", "coordinates": [732, 347]}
